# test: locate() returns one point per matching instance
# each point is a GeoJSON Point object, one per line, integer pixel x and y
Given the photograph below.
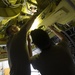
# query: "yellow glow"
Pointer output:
{"type": "Point", "coordinates": [9, 18]}
{"type": "Point", "coordinates": [24, 9]}
{"type": "Point", "coordinates": [34, 1]}
{"type": "Point", "coordinates": [35, 24]}
{"type": "Point", "coordinates": [12, 1]}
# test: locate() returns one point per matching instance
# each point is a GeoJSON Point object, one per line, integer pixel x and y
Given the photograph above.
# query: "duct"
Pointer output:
{"type": "Point", "coordinates": [9, 10]}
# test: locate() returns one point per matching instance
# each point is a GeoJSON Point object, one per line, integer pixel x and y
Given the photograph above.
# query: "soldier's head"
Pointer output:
{"type": "Point", "coordinates": [11, 30]}
{"type": "Point", "coordinates": [40, 38]}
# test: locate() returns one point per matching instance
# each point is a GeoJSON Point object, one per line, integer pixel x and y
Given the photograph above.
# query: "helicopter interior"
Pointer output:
{"type": "Point", "coordinates": [60, 13]}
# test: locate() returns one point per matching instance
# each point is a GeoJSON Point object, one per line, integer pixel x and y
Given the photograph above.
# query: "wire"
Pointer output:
{"type": "Point", "coordinates": [5, 2]}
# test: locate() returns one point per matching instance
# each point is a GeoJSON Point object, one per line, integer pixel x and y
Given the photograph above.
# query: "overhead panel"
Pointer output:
{"type": "Point", "coordinates": [63, 13]}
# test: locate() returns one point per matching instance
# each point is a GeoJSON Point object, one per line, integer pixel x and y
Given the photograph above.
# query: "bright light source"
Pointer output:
{"type": "Point", "coordinates": [37, 21]}
{"type": "Point", "coordinates": [35, 24]}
